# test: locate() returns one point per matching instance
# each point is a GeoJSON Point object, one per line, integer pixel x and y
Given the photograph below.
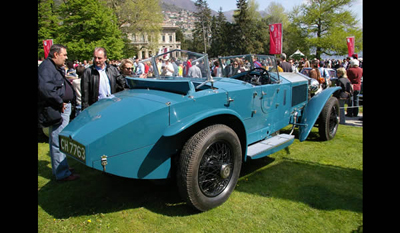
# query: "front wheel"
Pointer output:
{"type": "Point", "coordinates": [329, 119]}
{"type": "Point", "coordinates": [209, 167]}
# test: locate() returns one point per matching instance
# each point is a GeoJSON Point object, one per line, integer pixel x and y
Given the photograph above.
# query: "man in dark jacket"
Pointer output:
{"type": "Point", "coordinates": [100, 80]}
{"type": "Point", "coordinates": [55, 97]}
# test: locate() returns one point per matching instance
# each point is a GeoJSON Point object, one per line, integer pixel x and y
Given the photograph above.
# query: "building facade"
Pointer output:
{"type": "Point", "coordinates": [167, 39]}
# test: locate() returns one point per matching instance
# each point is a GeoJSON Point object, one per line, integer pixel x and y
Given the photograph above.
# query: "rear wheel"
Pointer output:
{"type": "Point", "coordinates": [329, 119]}
{"type": "Point", "coordinates": [209, 167]}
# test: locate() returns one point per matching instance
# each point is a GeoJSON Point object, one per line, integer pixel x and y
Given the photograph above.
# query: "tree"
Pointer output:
{"type": "Point", "coordinates": [327, 24]}
{"type": "Point", "coordinates": [87, 24]}
{"type": "Point", "coordinates": [202, 31]}
{"type": "Point", "coordinates": [47, 23]}
{"type": "Point", "coordinates": [138, 17]}
{"type": "Point", "coordinates": [294, 36]}
{"type": "Point", "coordinates": [250, 32]}
{"type": "Point", "coordinates": [243, 27]}
{"type": "Point", "coordinates": [219, 40]}
{"type": "Point", "coordinates": [260, 31]}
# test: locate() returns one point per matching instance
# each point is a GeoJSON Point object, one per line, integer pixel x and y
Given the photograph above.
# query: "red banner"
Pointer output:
{"type": "Point", "coordinates": [275, 38]}
{"type": "Point", "coordinates": [46, 45]}
{"type": "Point", "coordinates": [350, 45]}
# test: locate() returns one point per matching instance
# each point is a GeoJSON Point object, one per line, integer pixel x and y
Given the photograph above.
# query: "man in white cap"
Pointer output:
{"type": "Point", "coordinates": [169, 68]}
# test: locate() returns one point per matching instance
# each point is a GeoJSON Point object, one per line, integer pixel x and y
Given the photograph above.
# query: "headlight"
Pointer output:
{"type": "Point", "coordinates": [314, 86]}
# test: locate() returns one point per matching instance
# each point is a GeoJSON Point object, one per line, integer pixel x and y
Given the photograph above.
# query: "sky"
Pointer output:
{"type": "Point", "coordinates": [228, 5]}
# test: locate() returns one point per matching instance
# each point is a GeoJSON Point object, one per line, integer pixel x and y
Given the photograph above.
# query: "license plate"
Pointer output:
{"type": "Point", "coordinates": [73, 148]}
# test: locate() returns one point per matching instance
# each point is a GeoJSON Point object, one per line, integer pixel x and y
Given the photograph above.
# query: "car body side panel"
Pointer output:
{"type": "Point", "coordinates": [150, 162]}
{"type": "Point", "coordinates": [188, 121]}
{"type": "Point", "coordinates": [312, 111]}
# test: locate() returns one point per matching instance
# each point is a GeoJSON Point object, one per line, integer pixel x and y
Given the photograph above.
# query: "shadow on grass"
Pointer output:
{"type": "Point", "coordinates": [96, 192]}
{"type": "Point", "coordinates": [313, 136]}
{"type": "Point", "coordinates": [321, 187]}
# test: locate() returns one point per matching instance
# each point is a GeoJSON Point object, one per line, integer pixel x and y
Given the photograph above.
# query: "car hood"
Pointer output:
{"type": "Point", "coordinates": [294, 77]}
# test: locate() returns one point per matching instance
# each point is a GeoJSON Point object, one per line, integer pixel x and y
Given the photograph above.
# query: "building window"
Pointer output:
{"type": "Point", "coordinates": [170, 38]}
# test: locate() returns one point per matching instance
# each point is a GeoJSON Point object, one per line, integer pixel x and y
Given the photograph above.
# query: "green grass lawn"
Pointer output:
{"type": "Point", "coordinates": [310, 186]}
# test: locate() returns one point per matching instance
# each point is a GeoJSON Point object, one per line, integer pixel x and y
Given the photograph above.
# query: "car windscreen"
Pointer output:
{"type": "Point", "coordinates": [181, 63]}
{"type": "Point", "coordinates": [231, 65]}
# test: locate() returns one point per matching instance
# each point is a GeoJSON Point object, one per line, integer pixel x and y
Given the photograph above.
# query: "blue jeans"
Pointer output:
{"type": "Point", "coordinates": [353, 102]}
{"type": "Point", "coordinates": [78, 110]}
{"type": "Point", "coordinates": [59, 164]}
{"type": "Point", "coordinates": [342, 116]}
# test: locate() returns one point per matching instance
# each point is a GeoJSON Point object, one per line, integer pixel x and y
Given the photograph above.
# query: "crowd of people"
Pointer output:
{"type": "Point", "coordinates": [349, 75]}
{"type": "Point", "coordinates": [143, 68]}
{"type": "Point", "coordinates": [73, 70]}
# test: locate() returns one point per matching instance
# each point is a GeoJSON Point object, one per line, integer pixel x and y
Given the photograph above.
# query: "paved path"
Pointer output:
{"type": "Point", "coordinates": [354, 121]}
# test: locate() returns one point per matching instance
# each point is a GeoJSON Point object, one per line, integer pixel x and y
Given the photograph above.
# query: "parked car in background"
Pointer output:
{"type": "Point", "coordinates": [329, 82]}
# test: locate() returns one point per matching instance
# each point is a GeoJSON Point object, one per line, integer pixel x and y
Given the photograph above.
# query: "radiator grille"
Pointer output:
{"type": "Point", "coordinates": [299, 94]}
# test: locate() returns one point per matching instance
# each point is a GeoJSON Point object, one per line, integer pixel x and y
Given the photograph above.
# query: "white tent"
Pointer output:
{"type": "Point", "coordinates": [297, 53]}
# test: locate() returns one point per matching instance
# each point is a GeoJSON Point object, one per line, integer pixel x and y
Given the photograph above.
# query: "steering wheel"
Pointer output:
{"type": "Point", "coordinates": [260, 80]}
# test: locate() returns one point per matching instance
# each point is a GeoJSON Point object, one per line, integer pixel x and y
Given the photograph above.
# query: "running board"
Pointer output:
{"type": "Point", "coordinates": [269, 146]}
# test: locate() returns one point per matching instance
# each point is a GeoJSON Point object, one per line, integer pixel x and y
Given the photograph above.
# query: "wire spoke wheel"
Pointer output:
{"type": "Point", "coordinates": [209, 167]}
{"type": "Point", "coordinates": [215, 169]}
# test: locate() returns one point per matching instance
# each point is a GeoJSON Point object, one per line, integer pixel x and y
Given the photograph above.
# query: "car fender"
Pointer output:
{"type": "Point", "coordinates": [312, 111]}
{"type": "Point", "coordinates": [188, 121]}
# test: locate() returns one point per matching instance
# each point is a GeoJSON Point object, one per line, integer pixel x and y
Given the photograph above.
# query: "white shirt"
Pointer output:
{"type": "Point", "coordinates": [104, 83]}
{"type": "Point", "coordinates": [194, 72]}
{"type": "Point", "coordinates": [168, 68]}
{"type": "Point", "coordinates": [141, 68]}
{"type": "Point", "coordinates": [76, 84]}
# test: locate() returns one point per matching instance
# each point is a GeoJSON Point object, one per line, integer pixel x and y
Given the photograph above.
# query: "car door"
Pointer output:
{"type": "Point", "coordinates": [269, 98]}
{"type": "Point", "coordinates": [276, 105]}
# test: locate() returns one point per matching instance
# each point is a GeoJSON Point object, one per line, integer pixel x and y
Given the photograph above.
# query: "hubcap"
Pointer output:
{"type": "Point", "coordinates": [225, 171]}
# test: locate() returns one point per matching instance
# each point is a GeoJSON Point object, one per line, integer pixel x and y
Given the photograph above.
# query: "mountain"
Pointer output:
{"type": "Point", "coordinates": [229, 15]}
{"type": "Point", "coordinates": [177, 5]}
{"type": "Point", "coordinates": [183, 4]}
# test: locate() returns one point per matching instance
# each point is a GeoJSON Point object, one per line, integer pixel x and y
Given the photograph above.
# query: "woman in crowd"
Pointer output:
{"type": "Point", "coordinates": [345, 93]}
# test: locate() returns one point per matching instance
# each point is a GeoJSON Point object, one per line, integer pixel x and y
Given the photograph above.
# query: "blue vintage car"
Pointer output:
{"type": "Point", "coordinates": [199, 128]}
